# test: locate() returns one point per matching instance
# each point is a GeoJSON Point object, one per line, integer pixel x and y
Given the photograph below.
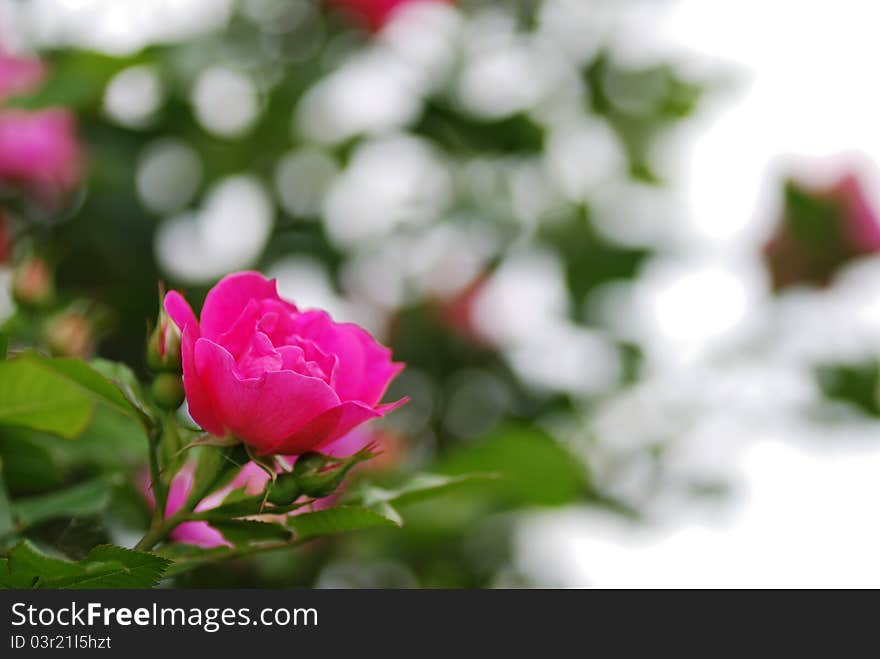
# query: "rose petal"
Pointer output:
{"type": "Point", "coordinates": [197, 401]}
{"type": "Point", "coordinates": [364, 368]}
{"type": "Point", "coordinates": [228, 299]}
{"type": "Point", "coordinates": [261, 411]}
{"type": "Point", "coordinates": [180, 311]}
{"type": "Point", "coordinates": [200, 534]}
{"type": "Point", "coordinates": [331, 425]}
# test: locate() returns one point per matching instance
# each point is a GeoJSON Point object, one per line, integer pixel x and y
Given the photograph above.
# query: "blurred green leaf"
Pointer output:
{"type": "Point", "coordinates": [29, 463]}
{"type": "Point", "coordinates": [336, 520]}
{"type": "Point", "coordinates": [54, 395]}
{"type": "Point", "coordinates": [420, 486]}
{"type": "Point", "coordinates": [89, 498]}
{"type": "Point", "coordinates": [6, 525]}
{"type": "Point", "coordinates": [80, 373]}
{"type": "Point", "coordinates": [532, 468]}
{"type": "Point", "coordinates": [35, 397]}
{"type": "Point", "coordinates": [105, 566]}
{"type": "Point", "coordinates": [855, 384]}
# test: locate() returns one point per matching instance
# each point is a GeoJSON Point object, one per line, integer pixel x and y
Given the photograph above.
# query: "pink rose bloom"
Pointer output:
{"type": "Point", "coordinates": [19, 75]}
{"type": "Point", "coordinates": [39, 149]}
{"type": "Point", "coordinates": [280, 380]}
{"type": "Point", "coordinates": [374, 14]}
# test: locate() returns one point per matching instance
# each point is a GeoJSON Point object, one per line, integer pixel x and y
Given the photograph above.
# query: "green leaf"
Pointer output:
{"type": "Point", "coordinates": [245, 531]}
{"type": "Point", "coordinates": [33, 397]}
{"type": "Point", "coordinates": [108, 566]}
{"type": "Point", "coordinates": [54, 395]}
{"type": "Point", "coordinates": [105, 566]}
{"type": "Point", "coordinates": [30, 567]}
{"type": "Point", "coordinates": [6, 525]}
{"type": "Point", "coordinates": [89, 498]}
{"type": "Point", "coordinates": [239, 504]}
{"type": "Point", "coordinates": [124, 379]}
{"type": "Point", "coordinates": [420, 486]}
{"type": "Point", "coordinates": [532, 468]}
{"type": "Point", "coordinates": [336, 520]}
{"type": "Point", "coordinates": [30, 464]}
{"type": "Point", "coordinates": [215, 467]}
{"type": "Point", "coordinates": [86, 377]}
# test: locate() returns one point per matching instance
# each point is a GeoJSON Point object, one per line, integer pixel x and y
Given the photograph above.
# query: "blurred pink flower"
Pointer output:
{"type": "Point", "coordinates": [373, 14]}
{"type": "Point", "coordinates": [19, 75]}
{"type": "Point", "coordinates": [280, 380]}
{"type": "Point", "coordinates": [820, 231]}
{"type": "Point", "coordinates": [39, 149]}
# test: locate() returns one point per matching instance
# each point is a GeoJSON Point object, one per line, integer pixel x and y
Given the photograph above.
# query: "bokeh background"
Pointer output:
{"type": "Point", "coordinates": [627, 249]}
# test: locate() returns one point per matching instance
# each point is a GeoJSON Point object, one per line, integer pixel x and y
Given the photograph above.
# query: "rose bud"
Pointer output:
{"type": "Point", "coordinates": [373, 14]}
{"type": "Point", "coordinates": [167, 390]}
{"type": "Point", "coordinates": [281, 380]}
{"type": "Point", "coordinates": [19, 75]}
{"type": "Point", "coordinates": [319, 475]}
{"type": "Point", "coordinates": [32, 283]}
{"type": "Point", "coordinates": [69, 334]}
{"type": "Point", "coordinates": [820, 231]}
{"type": "Point", "coordinates": [163, 346]}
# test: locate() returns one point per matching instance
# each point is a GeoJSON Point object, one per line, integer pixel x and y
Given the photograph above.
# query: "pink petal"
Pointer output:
{"type": "Point", "coordinates": [365, 368]}
{"type": "Point", "coordinates": [200, 534]}
{"type": "Point", "coordinates": [331, 426]}
{"type": "Point", "coordinates": [197, 400]}
{"type": "Point", "coordinates": [260, 411]}
{"type": "Point", "coordinates": [39, 147]}
{"type": "Point", "coordinates": [228, 299]}
{"type": "Point", "coordinates": [180, 311]}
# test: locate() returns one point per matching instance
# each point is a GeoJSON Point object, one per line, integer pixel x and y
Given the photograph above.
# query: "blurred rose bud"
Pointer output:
{"type": "Point", "coordinates": [373, 14]}
{"type": "Point", "coordinates": [70, 334]}
{"type": "Point", "coordinates": [167, 390]}
{"type": "Point", "coordinates": [32, 283]}
{"type": "Point", "coordinates": [163, 346]}
{"type": "Point", "coordinates": [820, 231]}
{"type": "Point", "coordinates": [457, 312]}
{"type": "Point", "coordinates": [39, 150]}
{"type": "Point", "coordinates": [19, 75]}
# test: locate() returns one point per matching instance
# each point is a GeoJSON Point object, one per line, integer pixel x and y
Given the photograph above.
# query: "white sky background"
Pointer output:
{"type": "Point", "coordinates": [806, 513]}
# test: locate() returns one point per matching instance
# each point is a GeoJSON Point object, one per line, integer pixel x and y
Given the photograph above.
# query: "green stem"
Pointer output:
{"type": "Point", "coordinates": [159, 529]}
{"type": "Point", "coordinates": [160, 490]}
{"type": "Point", "coordinates": [185, 565]}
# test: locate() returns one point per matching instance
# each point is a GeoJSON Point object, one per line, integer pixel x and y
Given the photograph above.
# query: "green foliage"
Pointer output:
{"type": "Point", "coordinates": [6, 523]}
{"type": "Point", "coordinates": [855, 384]}
{"type": "Point", "coordinates": [104, 567]}
{"type": "Point", "coordinates": [89, 498]}
{"type": "Point", "coordinates": [336, 520]}
{"type": "Point", "coordinates": [419, 487]}
{"type": "Point", "coordinates": [54, 395]}
{"type": "Point", "coordinates": [531, 467]}
{"type": "Point", "coordinates": [246, 531]}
